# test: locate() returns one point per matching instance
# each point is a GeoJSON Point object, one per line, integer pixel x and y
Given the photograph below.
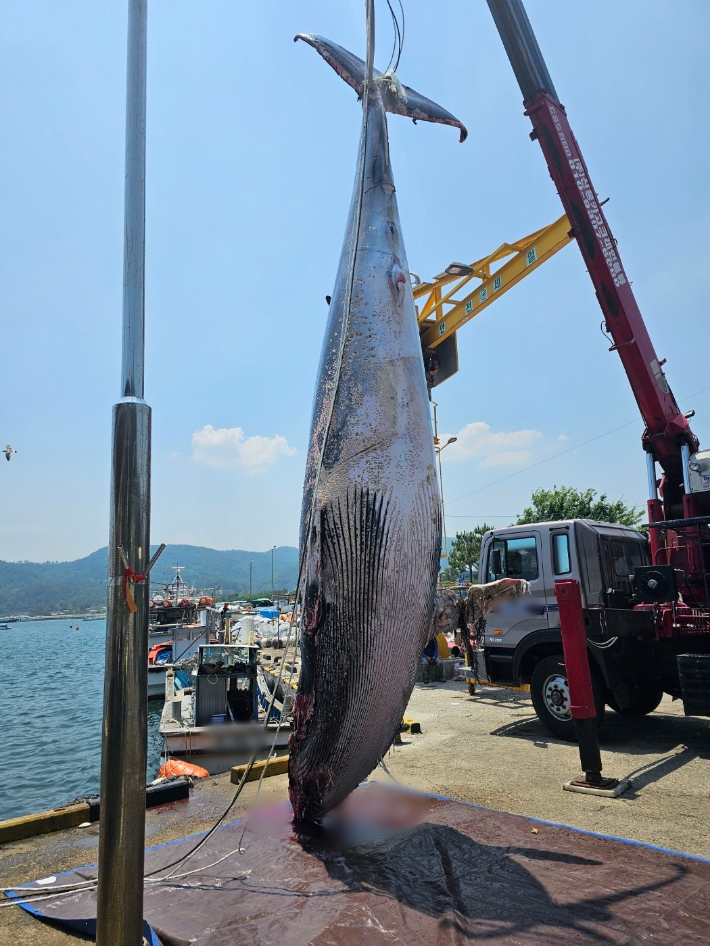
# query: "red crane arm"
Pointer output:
{"type": "Point", "coordinates": [667, 428]}
{"type": "Point", "coordinates": [665, 424]}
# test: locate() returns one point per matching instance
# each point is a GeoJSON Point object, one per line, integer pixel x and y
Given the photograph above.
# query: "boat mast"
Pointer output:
{"type": "Point", "coordinates": [125, 720]}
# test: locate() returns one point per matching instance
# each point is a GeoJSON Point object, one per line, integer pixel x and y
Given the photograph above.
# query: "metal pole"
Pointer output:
{"type": "Point", "coordinates": [445, 552]}
{"type": "Point", "coordinates": [278, 623]}
{"type": "Point", "coordinates": [125, 722]}
{"type": "Point", "coordinates": [437, 451]}
{"type": "Point", "coordinates": [250, 565]}
{"type": "Point", "coordinates": [651, 472]}
{"type": "Point", "coordinates": [685, 460]}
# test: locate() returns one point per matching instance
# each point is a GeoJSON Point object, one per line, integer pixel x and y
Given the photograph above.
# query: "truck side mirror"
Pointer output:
{"type": "Point", "coordinates": [496, 566]}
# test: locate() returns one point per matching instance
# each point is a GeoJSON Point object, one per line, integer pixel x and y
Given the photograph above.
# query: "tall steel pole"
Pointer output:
{"type": "Point", "coordinates": [125, 722]}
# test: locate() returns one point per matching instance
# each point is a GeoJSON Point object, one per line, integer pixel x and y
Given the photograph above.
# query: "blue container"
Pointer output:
{"type": "Point", "coordinates": [219, 718]}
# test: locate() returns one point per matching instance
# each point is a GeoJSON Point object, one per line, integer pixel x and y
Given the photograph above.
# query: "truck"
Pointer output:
{"type": "Point", "coordinates": [645, 596]}
{"type": "Point", "coordinates": [632, 667]}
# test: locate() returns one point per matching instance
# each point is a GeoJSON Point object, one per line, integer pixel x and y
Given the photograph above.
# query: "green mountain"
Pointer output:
{"type": "Point", "coordinates": [43, 587]}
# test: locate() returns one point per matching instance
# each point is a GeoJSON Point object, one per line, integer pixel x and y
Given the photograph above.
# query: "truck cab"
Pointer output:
{"type": "Point", "coordinates": [522, 644]}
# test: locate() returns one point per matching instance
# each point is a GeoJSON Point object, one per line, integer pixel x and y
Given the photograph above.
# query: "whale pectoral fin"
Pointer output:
{"type": "Point", "coordinates": [397, 98]}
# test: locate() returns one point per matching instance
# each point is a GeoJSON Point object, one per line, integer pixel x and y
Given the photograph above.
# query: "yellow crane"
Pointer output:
{"type": "Point", "coordinates": [462, 291]}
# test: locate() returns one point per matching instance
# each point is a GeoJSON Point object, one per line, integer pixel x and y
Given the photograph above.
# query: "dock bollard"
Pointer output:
{"type": "Point", "coordinates": [582, 705]}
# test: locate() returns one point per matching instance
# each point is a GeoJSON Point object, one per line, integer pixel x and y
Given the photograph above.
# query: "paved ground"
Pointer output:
{"type": "Point", "coordinates": [488, 749]}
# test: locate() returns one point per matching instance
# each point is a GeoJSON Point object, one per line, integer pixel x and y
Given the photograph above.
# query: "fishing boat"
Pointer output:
{"type": "Point", "coordinates": [5, 627]}
{"type": "Point", "coordinates": [175, 605]}
{"type": "Point", "coordinates": [220, 720]}
{"type": "Point", "coordinates": [168, 652]}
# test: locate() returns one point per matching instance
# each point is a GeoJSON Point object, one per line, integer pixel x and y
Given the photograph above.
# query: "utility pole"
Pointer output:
{"type": "Point", "coordinates": [278, 623]}
{"type": "Point", "coordinates": [437, 450]}
{"type": "Point", "coordinates": [250, 567]}
{"type": "Point", "coordinates": [125, 721]}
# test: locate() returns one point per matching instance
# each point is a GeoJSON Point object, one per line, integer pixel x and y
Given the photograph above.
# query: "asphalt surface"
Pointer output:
{"type": "Point", "coordinates": [489, 750]}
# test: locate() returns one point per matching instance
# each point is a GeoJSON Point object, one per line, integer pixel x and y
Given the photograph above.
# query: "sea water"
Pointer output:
{"type": "Point", "coordinates": [51, 699]}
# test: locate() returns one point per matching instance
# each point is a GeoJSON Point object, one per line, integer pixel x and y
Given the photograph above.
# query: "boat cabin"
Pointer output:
{"type": "Point", "coordinates": [225, 688]}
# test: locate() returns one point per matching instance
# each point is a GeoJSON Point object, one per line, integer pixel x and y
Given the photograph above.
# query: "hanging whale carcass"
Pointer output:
{"type": "Point", "coordinates": [370, 526]}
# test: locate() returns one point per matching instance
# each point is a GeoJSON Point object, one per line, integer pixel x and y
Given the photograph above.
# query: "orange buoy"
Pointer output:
{"type": "Point", "coordinates": [175, 767]}
{"type": "Point", "coordinates": [184, 602]}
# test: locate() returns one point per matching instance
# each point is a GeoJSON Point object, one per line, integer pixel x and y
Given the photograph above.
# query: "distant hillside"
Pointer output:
{"type": "Point", "coordinates": [40, 588]}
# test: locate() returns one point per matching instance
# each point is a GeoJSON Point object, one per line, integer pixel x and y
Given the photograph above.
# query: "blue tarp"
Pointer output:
{"type": "Point", "coordinates": [268, 613]}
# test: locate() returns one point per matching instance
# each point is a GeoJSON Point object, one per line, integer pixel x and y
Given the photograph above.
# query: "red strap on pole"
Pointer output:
{"type": "Point", "coordinates": [131, 577]}
{"type": "Point", "coordinates": [574, 645]}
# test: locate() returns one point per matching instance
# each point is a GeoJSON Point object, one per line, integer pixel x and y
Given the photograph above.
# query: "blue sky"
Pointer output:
{"type": "Point", "coordinates": [251, 156]}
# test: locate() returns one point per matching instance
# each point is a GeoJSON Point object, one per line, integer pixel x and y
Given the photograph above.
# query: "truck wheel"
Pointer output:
{"type": "Point", "coordinates": [644, 700]}
{"type": "Point", "coordinates": [550, 697]}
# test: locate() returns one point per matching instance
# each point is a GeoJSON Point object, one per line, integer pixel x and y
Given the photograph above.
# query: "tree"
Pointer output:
{"type": "Point", "coordinates": [448, 575]}
{"type": "Point", "coordinates": [465, 551]}
{"type": "Point", "coordinates": [565, 502]}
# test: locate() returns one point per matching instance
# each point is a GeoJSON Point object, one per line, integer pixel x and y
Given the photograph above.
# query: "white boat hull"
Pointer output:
{"type": "Point", "coordinates": [217, 747]}
{"type": "Point", "coordinates": [156, 681]}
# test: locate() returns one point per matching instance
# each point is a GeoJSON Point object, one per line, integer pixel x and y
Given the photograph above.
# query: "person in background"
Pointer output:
{"type": "Point", "coordinates": [431, 662]}
{"type": "Point", "coordinates": [442, 645]}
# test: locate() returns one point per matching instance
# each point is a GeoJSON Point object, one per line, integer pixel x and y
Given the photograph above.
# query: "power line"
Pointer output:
{"type": "Point", "coordinates": [554, 457]}
{"type": "Point", "coordinates": [540, 462]}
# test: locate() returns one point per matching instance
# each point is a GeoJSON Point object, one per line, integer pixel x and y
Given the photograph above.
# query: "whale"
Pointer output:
{"type": "Point", "coordinates": [370, 534]}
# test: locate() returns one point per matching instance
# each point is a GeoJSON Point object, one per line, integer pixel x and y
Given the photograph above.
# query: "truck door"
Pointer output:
{"type": "Point", "coordinates": [514, 556]}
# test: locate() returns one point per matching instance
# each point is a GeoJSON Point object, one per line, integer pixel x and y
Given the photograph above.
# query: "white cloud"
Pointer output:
{"type": "Point", "coordinates": [477, 441]}
{"type": "Point", "coordinates": [562, 438]}
{"type": "Point", "coordinates": [228, 447]}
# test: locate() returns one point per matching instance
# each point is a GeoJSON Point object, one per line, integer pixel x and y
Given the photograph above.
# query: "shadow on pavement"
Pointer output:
{"type": "Point", "coordinates": [657, 733]}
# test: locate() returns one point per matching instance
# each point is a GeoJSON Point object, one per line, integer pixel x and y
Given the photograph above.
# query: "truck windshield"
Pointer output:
{"type": "Point", "coordinates": [518, 559]}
